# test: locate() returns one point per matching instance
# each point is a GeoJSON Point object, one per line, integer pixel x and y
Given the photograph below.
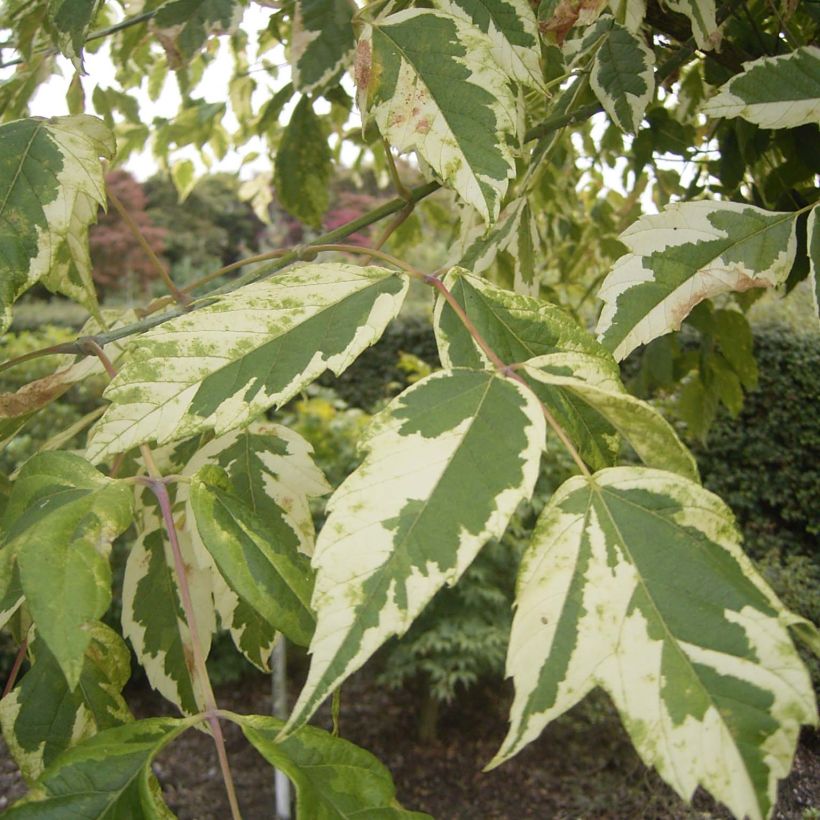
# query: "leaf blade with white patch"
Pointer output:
{"type": "Point", "coordinates": [689, 252]}
{"type": "Point", "coordinates": [431, 84]}
{"type": "Point", "coordinates": [221, 366]}
{"type": "Point", "coordinates": [448, 462]}
{"type": "Point", "coordinates": [187, 24]}
{"type": "Point", "coordinates": [612, 592]}
{"type": "Point", "coordinates": [322, 43]}
{"type": "Point", "coordinates": [773, 92]}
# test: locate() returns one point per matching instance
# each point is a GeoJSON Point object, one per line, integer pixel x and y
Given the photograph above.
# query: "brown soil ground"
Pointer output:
{"type": "Point", "coordinates": [581, 767]}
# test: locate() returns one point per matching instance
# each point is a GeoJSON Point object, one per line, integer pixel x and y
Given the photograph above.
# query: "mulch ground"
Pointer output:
{"type": "Point", "coordinates": [581, 767]}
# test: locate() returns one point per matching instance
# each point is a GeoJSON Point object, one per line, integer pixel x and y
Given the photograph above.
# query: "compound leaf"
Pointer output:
{"type": "Point", "coordinates": [773, 92]}
{"type": "Point", "coordinates": [431, 84]}
{"type": "Point", "coordinates": [448, 462]}
{"type": "Point", "coordinates": [222, 365]}
{"type": "Point", "coordinates": [635, 582]}
{"type": "Point", "coordinates": [322, 43]}
{"type": "Point", "coordinates": [689, 252]}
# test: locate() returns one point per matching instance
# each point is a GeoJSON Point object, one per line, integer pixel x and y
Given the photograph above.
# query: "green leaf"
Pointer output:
{"type": "Point", "coordinates": [334, 778]}
{"type": "Point", "coordinates": [51, 184]}
{"type": "Point", "coordinates": [651, 436]}
{"type": "Point", "coordinates": [11, 591]}
{"type": "Point", "coordinates": [689, 252]}
{"type": "Point", "coordinates": [183, 175]}
{"type": "Point", "coordinates": [60, 521]}
{"type": "Point", "coordinates": [269, 576]}
{"type": "Point", "coordinates": [322, 43]}
{"type": "Point", "coordinates": [304, 166]}
{"type": "Point", "coordinates": [701, 14]}
{"type": "Point", "coordinates": [519, 328]}
{"type": "Point", "coordinates": [511, 28]}
{"type": "Point", "coordinates": [448, 462]}
{"type": "Point", "coordinates": [108, 776]}
{"type": "Point", "coordinates": [42, 717]}
{"type": "Point", "coordinates": [185, 25]}
{"type": "Point", "coordinates": [431, 84]}
{"type": "Point", "coordinates": [623, 77]}
{"type": "Point", "coordinates": [153, 618]}
{"type": "Point", "coordinates": [773, 92]}
{"type": "Point", "coordinates": [69, 22]}
{"type": "Point", "coordinates": [635, 582]}
{"type": "Point", "coordinates": [222, 365]}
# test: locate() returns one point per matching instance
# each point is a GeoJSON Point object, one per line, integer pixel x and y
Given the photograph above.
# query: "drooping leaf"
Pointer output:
{"type": "Point", "coordinates": [623, 77]}
{"type": "Point", "coordinates": [635, 582]}
{"type": "Point", "coordinates": [270, 577]}
{"type": "Point", "coordinates": [153, 618]}
{"type": "Point", "coordinates": [221, 366]}
{"type": "Point", "coordinates": [512, 30]}
{"type": "Point", "coordinates": [334, 778]}
{"type": "Point", "coordinates": [108, 775]}
{"type": "Point", "coordinates": [701, 14]}
{"type": "Point", "coordinates": [519, 328]}
{"type": "Point", "coordinates": [431, 84]}
{"type": "Point", "coordinates": [51, 184]}
{"type": "Point", "coordinates": [60, 521]}
{"type": "Point", "coordinates": [813, 239]}
{"type": "Point", "coordinates": [69, 22]}
{"type": "Point", "coordinates": [448, 462]}
{"type": "Point", "coordinates": [185, 25]}
{"type": "Point", "coordinates": [689, 252]}
{"type": "Point", "coordinates": [42, 717]}
{"type": "Point", "coordinates": [322, 43]}
{"type": "Point", "coordinates": [773, 92]}
{"type": "Point", "coordinates": [304, 166]}
{"type": "Point", "coordinates": [651, 436]}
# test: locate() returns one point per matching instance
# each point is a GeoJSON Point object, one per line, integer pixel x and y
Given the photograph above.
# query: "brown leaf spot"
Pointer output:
{"type": "Point", "coordinates": [362, 65]}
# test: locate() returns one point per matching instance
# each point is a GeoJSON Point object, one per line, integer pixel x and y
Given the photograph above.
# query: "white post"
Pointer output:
{"type": "Point", "coordinates": [279, 695]}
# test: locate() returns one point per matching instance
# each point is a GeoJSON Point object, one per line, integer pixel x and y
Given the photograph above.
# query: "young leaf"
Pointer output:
{"type": "Point", "coordinates": [51, 183]}
{"type": "Point", "coordinates": [60, 521]}
{"type": "Point", "coordinates": [651, 436]}
{"type": "Point", "coordinates": [322, 43]}
{"type": "Point", "coordinates": [108, 775]}
{"type": "Point", "coordinates": [185, 25]}
{"type": "Point", "coordinates": [623, 77]}
{"type": "Point", "coordinates": [153, 618]}
{"type": "Point", "coordinates": [448, 462]}
{"type": "Point", "coordinates": [519, 328]}
{"type": "Point", "coordinates": [689, 252]}
{"type": "Point", "coordinates": [701, 14]}
{"type": "Point", "coordinates": [69, 22]}
{"type": "Point", "coordinates": [635, 582]}
{"type": "Point", "coordinates": [221, 366]}
{"type": "Point", "coordinates": [430, 82]}
{"type": "Point", "coordinates": [42, 717]}
{"type": "Point", "coordinates": [334, 778]}
{"type": "Point", "coordinates": [511, 29]}
{"type": "Point", "coordinates": [773, 92]}
{"type": "Point", "coordinates": [270, 577]}
{"type": "Point", "coordinates": [304, 166]}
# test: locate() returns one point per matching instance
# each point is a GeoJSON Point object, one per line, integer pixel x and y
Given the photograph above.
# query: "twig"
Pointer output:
{"type": "Point", "coordinates": [394, 223]}
{"type": "Point", "coordinates": [180, 297]}
{"type": "Point", "coordinates": [15, 669]}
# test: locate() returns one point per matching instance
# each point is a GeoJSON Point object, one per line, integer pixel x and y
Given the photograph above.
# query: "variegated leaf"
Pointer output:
{"type": "Point", "coordinates": [515, 233]}
{"type": "Point", "coordinates": [42, 716]}
{"type": "Point", "coordinates": [773, 92]}
{"type": "Point", "coordinates": [184, 25]}
{"type": "Point", "coordinates": [623, 76]}
{"type": "Point", "coordinates": [701, 14]}
{"type": "Point", "coordinates": [430, 82]}
{"type": "Point", "coordinates": [512, 30]}
{"type": "Point", "coordinates": [635, 582]}
{"type": "Point", "coordinates": [69, 22]}
{"type": "Point", "coordinates": [223, 365]}
{"type": "Point", "coordinates": [813, 240]}
{"type": "Point", "coordinates": [689, 252]}
{"type": "Point", "coordinates": [322, 43]}
{"type": "Point", "coordinates": [334, 778]}
{"type": "Point", "coordinates": [448, 462]}
{"type": "Point", "coordinates": [651, 436]}
{"type": "Point", "coordinates": [519, 328]}
{"type": "Point", "coordinates": [51, 184]}
{"type": "Point", "coordinates": [629, 13]}
{"type": "Point", "coordinates": [11, 590]}
{"type": "Point", "coordinates": [153, 618]}
{"type": "Point", "coordinates": [107, 776]}
{"type": "Point", "coordinates": [60, 521]}
{"type": "Point", "coordinates": [267, 573]}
